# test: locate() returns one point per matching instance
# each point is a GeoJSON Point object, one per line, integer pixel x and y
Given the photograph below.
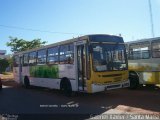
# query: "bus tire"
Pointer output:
{"type": "Point", "coordinates": [26, 82]}
{"type": "Point", "coordinates": [65, 87]}
{"type": "Point", "coordinates": [134, 80]}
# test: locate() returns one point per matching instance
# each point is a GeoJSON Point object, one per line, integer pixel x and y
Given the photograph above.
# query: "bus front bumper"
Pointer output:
{"type": "Point", "coordinates": [104, 87]}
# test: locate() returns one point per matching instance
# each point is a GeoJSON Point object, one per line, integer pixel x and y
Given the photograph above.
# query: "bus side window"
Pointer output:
{"type": "Point", "coordinates": [53, 56]}
{"type": "Point", "coordinates": [25, 59]}
{"type": "Point", "coordinates": [66, 53]}
{"type": "Point", "coordinates": [62, 53]}
{"type": "Point", "coordinates": [32, 58]}
{"type": "Point", "coordinates": [139, 50]}
{"type": "Point", "coordinates": [127, 48]}
{"type": "Point", "coordinates": [15, 61]}
{"type": "Point", "coordinates": [71, 54]}
{"type": "Point", "coordinates": [156, 49]}
{"type": "Point", "coordinates": [41, 57]}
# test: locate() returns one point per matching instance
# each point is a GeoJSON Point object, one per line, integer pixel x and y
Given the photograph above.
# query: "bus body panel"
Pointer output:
{"type": "Point", "coordinates": [38, 77]}
{"type": "Point", "coordinates": [109, 80]}
{"type": "Point", "coordinates": [49, 83]}
{"type": "Point", "coordinates": [148, 70]}
{"type": "Point", "coordinates": [109, 77]}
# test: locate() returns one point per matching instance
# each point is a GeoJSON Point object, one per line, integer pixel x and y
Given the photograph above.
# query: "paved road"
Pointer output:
{"type": "Point", "coordinates": [18, 100]}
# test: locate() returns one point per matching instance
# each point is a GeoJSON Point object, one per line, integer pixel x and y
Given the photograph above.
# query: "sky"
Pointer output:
{"type": "Point", "coordinates": [65, 19]}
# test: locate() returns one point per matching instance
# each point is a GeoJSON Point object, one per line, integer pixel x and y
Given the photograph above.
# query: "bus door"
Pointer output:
{"type": "Point", "coordinates": [20, 69]}
{"type": "Point", "coordinates": [81, 67]}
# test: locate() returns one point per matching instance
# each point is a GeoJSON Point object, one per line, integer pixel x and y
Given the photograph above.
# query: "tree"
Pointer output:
{"type": "Point", "coordinates": [18, 45]}
{"type": "Point", "coordinates": [3, 65]}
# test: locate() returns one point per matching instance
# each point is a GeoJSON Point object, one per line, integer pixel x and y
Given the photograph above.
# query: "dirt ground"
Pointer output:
{"type": "Point", "coordinates": [8, 76]}
{"type": "Point", "coordinates": [8, 80]}
{"type": "Point", "coordinates": [144, 100]}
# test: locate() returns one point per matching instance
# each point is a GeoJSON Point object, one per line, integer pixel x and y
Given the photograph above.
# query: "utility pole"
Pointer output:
{"type": "Point", "coordinates": [151, 18]}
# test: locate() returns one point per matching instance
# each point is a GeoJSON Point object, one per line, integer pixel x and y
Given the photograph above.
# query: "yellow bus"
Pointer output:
{"type": "Point", "coordinates": [90, 63]}
{"type": "Point", "coordinates": [144, 61]}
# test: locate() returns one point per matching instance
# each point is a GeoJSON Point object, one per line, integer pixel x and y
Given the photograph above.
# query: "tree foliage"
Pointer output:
{"type": "Point", "coordinates": [18, 45]}
{"type": "Point", "coordinates": [3, 65]}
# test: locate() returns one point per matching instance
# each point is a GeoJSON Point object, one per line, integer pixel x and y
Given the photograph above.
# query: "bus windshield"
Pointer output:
{"type": "Point", "coordinates": [107, 57]}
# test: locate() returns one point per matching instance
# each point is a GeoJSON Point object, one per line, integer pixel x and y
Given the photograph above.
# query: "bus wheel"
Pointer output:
{"type": "Point", "coordinates": [134, 80]}
{"type": "Point", "coordinates": [65, 87]}
{"type": "Point", "coordinates": [26, 82]}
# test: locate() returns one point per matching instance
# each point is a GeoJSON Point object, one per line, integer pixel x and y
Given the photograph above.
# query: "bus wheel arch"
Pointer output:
{"type": "Point", "coordinates": [134, 79]}
{"type": "Point", "coordinates": [65, 87]}
{"type": "Point", "coordinates": [26, 82]}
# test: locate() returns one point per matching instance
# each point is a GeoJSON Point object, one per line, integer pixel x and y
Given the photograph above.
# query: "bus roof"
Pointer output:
{"type": "Point", "coordinates": [108, 38]}
{"type": "Point", "coordinates": [143, 40]}
{"type": "Point", "coordinates": [92, 37]}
